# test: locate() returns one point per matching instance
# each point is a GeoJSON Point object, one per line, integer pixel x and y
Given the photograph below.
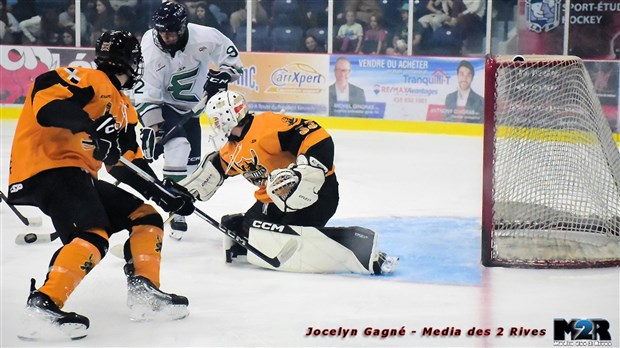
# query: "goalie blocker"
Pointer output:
{"type": "Point", "coordinates": [319, 250]}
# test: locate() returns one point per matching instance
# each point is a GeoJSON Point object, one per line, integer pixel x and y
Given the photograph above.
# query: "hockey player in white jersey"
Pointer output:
{"type": "Point", "coordinates": [177, 57]}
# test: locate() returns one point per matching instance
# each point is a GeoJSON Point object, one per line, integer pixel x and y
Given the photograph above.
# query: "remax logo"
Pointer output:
{"type": "Point", "coordinates": [581, 329]}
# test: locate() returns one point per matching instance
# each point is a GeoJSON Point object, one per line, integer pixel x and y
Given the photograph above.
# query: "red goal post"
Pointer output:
{"type": "Point", "coordinates": [551, 175]}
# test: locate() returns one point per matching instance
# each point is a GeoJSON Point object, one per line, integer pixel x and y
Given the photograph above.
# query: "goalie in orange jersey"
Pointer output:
{"type": "Point", "coordinates": [74, 120]}
{"type": "Point", "coordinates": [291, 161]}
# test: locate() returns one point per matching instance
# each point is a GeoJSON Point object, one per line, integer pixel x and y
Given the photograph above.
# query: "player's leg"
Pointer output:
{"type": "Point", "coordinates": [69, 197]}
{"type": "Point", "coordinates": [143, 255]}
{"type": "Point", "coordinates": [176, 153]}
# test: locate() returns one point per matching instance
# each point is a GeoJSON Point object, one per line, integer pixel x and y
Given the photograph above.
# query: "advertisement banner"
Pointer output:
{"type": "Point", "coordinates": [406, 88]}
{"type": "Point", "coordinates": [594, 30]}
{"type": "Point", "coordinates": [295, 83]}
{"type": "Point", "coordinates": [20, 65]}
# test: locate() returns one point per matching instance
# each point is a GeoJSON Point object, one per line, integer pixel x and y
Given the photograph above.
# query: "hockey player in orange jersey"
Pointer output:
{"type": "Point", "coordinates": [74, 120]}
{"type": "Point", "coordinates": [291, 161]}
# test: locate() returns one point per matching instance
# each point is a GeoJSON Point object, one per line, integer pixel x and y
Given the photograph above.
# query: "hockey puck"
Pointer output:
{"type": "Point", "coordinates": [30, 238]}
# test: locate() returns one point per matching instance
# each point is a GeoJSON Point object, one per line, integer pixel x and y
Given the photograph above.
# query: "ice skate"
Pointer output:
{"type": "Point", "coordinates": [147, 302]}
{"type": "Point", "coordinates": [43, 320]}
{"type": "Point", "coordinates": [384, 264]}
{"type": "Point", "coordinates": [178, 226]}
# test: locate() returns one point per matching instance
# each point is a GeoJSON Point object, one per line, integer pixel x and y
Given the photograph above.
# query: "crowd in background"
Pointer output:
{"type": "Point", "coordinates": [441, 27]}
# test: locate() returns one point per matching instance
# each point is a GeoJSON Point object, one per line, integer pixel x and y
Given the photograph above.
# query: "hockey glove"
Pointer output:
{"type": "Point", "coordinates": [182, 203]}
{"type": "Point", "coordinates": [151, 143]}
{"type": "Point", "coordinates": [297, 186]}
{"type": "Point", "coordinates": [104, 135]}
{"type": "Point", "coordinates": [216, 81]}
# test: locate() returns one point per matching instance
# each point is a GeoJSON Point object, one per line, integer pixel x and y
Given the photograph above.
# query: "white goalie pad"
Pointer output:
{"type": "Point", "coordinates": [205, 180]}
{"type": "Point", "coordinates": [328, 250]}
{"type": "Point", "coordinates": [296, 187]}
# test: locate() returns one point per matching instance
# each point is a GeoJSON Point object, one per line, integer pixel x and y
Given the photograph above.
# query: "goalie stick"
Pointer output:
{"type": "Point", "coordinates": [284, 254]}
{"type": "Point", "coordinates": [33, 221]}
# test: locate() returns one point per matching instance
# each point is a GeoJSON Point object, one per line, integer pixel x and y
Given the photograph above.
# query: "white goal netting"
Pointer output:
{"type": "Point", "coordinates": [553, 193]}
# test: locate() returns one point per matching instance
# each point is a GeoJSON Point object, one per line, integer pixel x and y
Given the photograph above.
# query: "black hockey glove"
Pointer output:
{"type": "Point", "coordinates": [104, 135]}
{"type": "Point", "coordinates": [182, 203]}
{"type": "Point", "coordinates": [152, 147]}
{"type": "Point", "coordinates": [216, 81]}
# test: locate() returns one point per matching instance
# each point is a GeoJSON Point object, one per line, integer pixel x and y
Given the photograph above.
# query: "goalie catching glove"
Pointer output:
{"type": "Point", "coordinates": [297, 186]}
{"type": "Point", "coordinates": [205, 180]}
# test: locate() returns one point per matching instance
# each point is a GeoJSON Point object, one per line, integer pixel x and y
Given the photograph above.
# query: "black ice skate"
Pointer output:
{"type": "Point", "coordinates": [178, 226]}
{"type": "Point", "coordinates": [147, 302]}
{"type": "Point", "coordinates": [43, 320]}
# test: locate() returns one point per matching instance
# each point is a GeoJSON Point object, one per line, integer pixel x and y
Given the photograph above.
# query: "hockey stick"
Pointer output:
{"type": "Point", "coordinates": [25, 238]}
{"type": "Point", "coordinates": [33, 221]}
{"type": "Point", "coordinates": [197, 109]}
{"type": "Point", "coordinates": [284, 254]}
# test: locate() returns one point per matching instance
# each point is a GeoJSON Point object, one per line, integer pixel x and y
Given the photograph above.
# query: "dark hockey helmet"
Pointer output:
{"type": "Point", "coordinates": [118, 52]}
{"type": "Point", "coordinates": [170, 17]}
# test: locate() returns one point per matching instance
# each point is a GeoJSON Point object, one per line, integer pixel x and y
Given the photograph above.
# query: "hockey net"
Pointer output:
{"type": "Point", "coordinates": [551, 178]}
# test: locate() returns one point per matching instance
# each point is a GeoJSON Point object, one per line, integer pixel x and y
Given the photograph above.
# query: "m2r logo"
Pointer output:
{"type": "Point", "coordinates": [581, 329]}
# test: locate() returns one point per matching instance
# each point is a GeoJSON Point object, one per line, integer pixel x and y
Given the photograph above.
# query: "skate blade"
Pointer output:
{"type": "Point", "coordinates": [37, 326]}
{"type": "Point", "coordinates": [389, 265]}
{"type": "Point", "coordinates": [139, 313]}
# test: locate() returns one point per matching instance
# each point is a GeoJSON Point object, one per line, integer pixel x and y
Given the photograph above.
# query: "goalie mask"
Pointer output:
{"type": "Point", "coordinates": [118, 52]}
{"type": "Point", "coordinates": [225, 110]}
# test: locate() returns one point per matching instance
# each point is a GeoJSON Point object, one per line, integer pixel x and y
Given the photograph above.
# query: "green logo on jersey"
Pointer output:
{"type": "Point", "coordinates": [181, 85]}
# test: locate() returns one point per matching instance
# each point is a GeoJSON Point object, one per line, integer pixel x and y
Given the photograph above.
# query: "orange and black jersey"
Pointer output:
{"type": "Point", "coordinates": [60, 105]}
{"type": "Point", "coordinates": [270, 141]}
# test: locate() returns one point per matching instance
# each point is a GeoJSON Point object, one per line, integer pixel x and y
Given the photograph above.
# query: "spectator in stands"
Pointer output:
{"type": "Point", "coordinates": [116, 4]}
{"type": "Point", "coordinates": [10, 32]}
{"type": "Point", "coordinates": [68, 37]}
{"type": "Point", "coordinates": [362, 9]}
{"type": "Point", "coordinates": [398, 43]}
{"type": "Point", "coordinates": [342, 92]}
{"type": "Point", "coordinates": [124, 19]}
{"type": "Point", "coordinates": [312, 45]}
{"type": "Point", "coordinates": [42, 30]}
{"type": "Point", "coordinates": [438, 14]}
{"type": "Point", "coordinates": [24, 9]}
{"type": "Point", "coordinates": [350, 34]}
{"type": "Point", "coordinates": [374, 38]}
{"type": "Point", "coordinates": [259, 16]}
{"type": "Point", "coordinates": [464, 105]}
{"type": "Point", "coordinates": [66, 19]}
{"type": "Point", "coordinates": [104, 19]}
{"type": "Point", "coordinates": [204, 16]}
{"type": "Point", "coordinates": [89, 9]}
{"type": "Point", "coordinates": [471, 25]}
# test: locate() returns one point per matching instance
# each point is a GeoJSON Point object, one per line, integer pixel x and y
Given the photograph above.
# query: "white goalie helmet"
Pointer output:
{"type": "Point", "coordinates": [225, 110]}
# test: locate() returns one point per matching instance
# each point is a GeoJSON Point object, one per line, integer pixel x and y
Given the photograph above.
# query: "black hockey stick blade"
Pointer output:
{"type": "Point", "coordinates": [25, 238]}
{"type": "Point", "coordinates": [276, 261]}
{"type": "Point", "coordinates": [33, 221]}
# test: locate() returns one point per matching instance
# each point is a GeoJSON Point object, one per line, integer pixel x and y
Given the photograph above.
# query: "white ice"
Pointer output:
{"type": "Point", "coordinates": [381, 175]}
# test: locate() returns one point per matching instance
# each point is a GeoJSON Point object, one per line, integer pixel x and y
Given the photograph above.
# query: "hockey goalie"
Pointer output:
{"type": "Point", "coordinates": [291, 161]}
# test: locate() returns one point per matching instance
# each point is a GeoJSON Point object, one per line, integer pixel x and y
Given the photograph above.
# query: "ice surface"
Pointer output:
{"type": "Point", "coordinates": [421, 193]}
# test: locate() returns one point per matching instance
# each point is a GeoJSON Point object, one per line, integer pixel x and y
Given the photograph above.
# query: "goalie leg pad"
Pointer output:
{"type": "Point", "coordinates": [353, 251]}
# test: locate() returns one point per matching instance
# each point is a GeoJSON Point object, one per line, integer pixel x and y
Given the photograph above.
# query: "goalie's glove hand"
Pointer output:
{"type": "Point", "coordinates": [182, 202]}
{"type": "Point", "coordinates": [104, 135]}
{"type": "Point", "coordinates": [216, 81]}
{"type": "Point", "coordinates": [297, 186]}
{"type": "Point", "coordinates": [151, 143]}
